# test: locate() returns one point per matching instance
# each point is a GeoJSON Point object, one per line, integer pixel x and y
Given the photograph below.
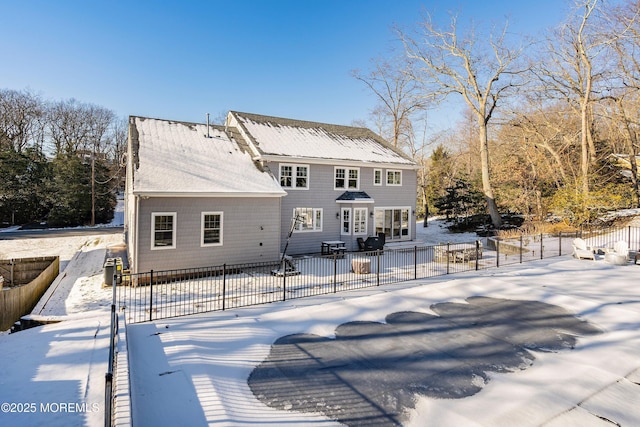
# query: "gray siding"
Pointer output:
{"type": "Point", "coordinates": [321, 194]}
{"type": "Point", "coordinates": [251, 230]}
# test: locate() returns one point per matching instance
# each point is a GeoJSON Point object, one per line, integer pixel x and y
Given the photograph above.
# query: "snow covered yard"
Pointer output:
{"type": "Point", "coordinates": [54, 375]}
{"type": "Point", "coordinates": [194, 370]}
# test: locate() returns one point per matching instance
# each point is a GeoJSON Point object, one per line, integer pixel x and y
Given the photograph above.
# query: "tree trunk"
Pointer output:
{"type": "Point", "coordinates": [496, 220]}
{"type": "Point", "coordinates": [584, 147]}
{"type": "Point", "coordinates": [631, 143]}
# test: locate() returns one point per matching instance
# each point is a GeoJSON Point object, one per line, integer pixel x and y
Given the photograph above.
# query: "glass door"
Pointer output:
{"type": "Point", "coordinates": [393, 222]}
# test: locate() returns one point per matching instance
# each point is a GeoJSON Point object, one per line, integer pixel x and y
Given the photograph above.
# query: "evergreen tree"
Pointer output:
{"type": "Point", "coordinates": [460, 201]}
{"type": "Point", "coordinates": [72, 192]}
{"type": "Point", "coordinates": [25, 186]}
{"type": "Point", "coordinates": [438, 175]}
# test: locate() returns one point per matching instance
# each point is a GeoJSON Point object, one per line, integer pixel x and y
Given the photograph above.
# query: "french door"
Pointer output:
{"type": "Point", "coordinates": [393, 222]}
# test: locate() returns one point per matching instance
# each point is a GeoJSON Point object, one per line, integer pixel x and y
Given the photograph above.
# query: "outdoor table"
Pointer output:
{"type": "Point", "coordinates": [460, 252]}
{"type": "Point", "coordinates": [332, 246]}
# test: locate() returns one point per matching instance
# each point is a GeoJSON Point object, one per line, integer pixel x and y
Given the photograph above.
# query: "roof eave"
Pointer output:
{"type": "Point", "coordinates": [255, 194]}
{"type": "Point", "coordinates": [334, 162]}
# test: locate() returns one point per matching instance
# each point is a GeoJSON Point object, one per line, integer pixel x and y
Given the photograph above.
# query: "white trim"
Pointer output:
{"type": "Point", "coordinates": [173, 230]}
{"type": "Point", "coordinates": [294, 175]}
{"type": "Point", "coordinates": [381, 177]}
{"type": "Point", "coordinates": [339, 162]}
{"type": "Point", "coordinates": [346, 178]}
{"type": "Point", "coordinates": [314, 212]}
{"type": "Point", "coordinates": [202, 243]}
{"type": "Point", "coordinates": [356, 201]}
{"type": "Point", "coordinates": [136, 235]}
{"type": "Point", "coordinates": [366, 221]}
{"type": "Point", "coordinates": [394, 172]}
{"type": "Point", "coordinates": [342, 221]}
{"type": "Point", "coordinates": [148, 194]}
{"type": "Point", "coordinates": [384, 208]}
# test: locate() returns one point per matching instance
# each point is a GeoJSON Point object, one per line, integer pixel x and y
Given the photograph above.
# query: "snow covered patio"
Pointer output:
{"type": "Point", "coordinates": [195, 370]}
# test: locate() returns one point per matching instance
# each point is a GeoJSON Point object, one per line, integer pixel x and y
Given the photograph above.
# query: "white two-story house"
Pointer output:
{"type": "Point", "coordinates": [200, 195]}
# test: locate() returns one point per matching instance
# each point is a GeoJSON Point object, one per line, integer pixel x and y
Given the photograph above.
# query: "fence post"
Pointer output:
{"type": "Point", "coordinates": [415, 262]}
{"type": "Point", "coordinates": [284, 280]}
{"type": "Point", "coordinates": [335, 271]}
{"type": "Point", "coordinates": [541, 247]}
{"type": "Point", "coordinates": [477, 253]}
{"type": "Point", "coordinates": [497, 252]}
{"type": "Point", "coordinates": [521, 249]}
{"type": "Point", "coordinates": [446, 255]}
{"type": "Point", "coordinates": [377, 267]}
{"type": "Point", "coordinates": [224, 285]}
{"type": "Point", "coordinates": [151, 296]}
{"type": "Point", "coordinates": [115, 298]}
{"type": "Point", "coordinates": [560, 243]}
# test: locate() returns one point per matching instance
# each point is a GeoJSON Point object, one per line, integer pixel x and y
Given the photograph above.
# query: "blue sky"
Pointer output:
{"type": "Point", "coordinates": [181, 59]}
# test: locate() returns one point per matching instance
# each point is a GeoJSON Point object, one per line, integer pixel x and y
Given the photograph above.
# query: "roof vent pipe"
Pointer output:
{"type": "Point", "coordinates": [208, 135]}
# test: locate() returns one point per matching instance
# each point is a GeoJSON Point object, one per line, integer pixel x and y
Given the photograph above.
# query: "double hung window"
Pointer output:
{"type": "Point", "coordinates": [294, 176]}
{"type": "Point", "coordinates": [346, 179]}
{"type": "Point", "coordinates": [163, 230]}
{"type": "Point", "coordinates": [211, 233]}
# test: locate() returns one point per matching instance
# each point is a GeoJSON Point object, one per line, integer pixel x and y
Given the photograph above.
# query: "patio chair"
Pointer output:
{"type": "Point", "coordinates": [619, 255]}
{"type": "Point", "coordinates": [581, 251]}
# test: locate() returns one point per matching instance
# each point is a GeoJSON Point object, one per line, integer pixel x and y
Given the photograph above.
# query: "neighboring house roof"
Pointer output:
{"type": "Point", "coordinates": [177, 158]}
{"type": "Point", "coordinates": [279, 139]}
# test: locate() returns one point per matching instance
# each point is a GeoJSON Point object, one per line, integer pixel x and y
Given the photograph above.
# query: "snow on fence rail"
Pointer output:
{"type": "Point", "coordinates": [171, 293]}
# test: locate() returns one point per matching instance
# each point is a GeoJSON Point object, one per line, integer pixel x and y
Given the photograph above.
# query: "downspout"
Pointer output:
{"type": "Point", "coordinates": [280, 247]}
{"type": "Point", "coordinates": [135, 236]}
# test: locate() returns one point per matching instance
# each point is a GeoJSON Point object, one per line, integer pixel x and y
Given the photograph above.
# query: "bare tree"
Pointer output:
{"type": "Point", "coordinates": [78, 126]}
{"type": "Point", "coordinates": [21, 120]}
{"type": "Point", "coordinates": [397, 93]}
{"type": "Point", "coordinates": [484, 71]}
{"type": "Point", "coordinates": [626, 98]}
{"type": "Point", "coordinates": [576, 69]}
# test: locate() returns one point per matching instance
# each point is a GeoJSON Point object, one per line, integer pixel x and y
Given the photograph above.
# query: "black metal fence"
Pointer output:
{"type": "Point", "coordinates": [171, 293]}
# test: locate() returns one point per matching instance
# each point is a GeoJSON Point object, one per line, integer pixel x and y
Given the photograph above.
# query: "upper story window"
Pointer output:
{"type": "Point", "coordinates": [377, 177]}
{"type": "Point", "coordinates": [163, 230]}
{"type": "Point", "coordinates": [211, 232]}
{"type": "Point", "coordinates": [394, 177]}
{"type": "Point", "coordinates": [347, 179]}
{"type": "Point", "coordinates": [294, 176]}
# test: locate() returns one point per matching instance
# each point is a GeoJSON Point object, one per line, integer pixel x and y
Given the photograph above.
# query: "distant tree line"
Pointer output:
{"type": "Point", "coordinates": [551, 126]}
{"type": "Point", "coordinates": [60, 161]}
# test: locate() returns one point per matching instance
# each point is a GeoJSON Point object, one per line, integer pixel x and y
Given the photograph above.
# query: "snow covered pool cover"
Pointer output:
{"type": "Point", "coordinates": [371, 373]}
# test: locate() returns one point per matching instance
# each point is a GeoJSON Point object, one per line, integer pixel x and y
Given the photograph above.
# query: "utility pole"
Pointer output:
{"type": "Point", "coordinates": [93, 186]}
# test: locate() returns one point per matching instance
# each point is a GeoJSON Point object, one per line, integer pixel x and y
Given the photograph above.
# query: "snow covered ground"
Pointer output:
{"type": "Point", "coordinates": [54, 375]}
{"type": "Point", "coordinates": [193, 370]}
{"type": "Point", "coordinates": [209, 357]}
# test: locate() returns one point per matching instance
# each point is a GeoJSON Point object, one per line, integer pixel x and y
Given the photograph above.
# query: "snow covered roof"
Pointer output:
{"type": "Point", "coordinates": [354, 196]}
{"type": "Point", "coordinates": [275, 137]}
{"type": "Point", "coordinates": [178, 158]}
